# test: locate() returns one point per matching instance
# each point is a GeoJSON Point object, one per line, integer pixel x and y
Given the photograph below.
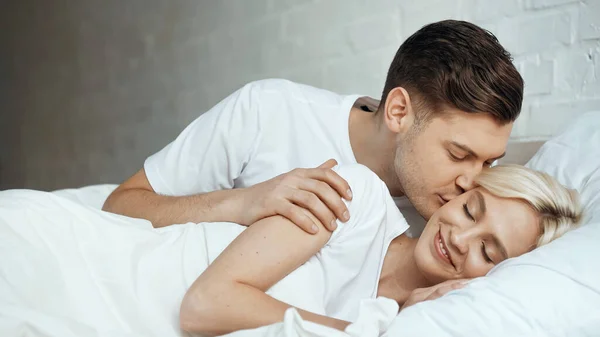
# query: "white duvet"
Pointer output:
{"type": "Point", "coordinates": [71, 270]}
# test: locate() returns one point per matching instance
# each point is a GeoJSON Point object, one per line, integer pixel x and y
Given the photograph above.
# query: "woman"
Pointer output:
{"type": "Point", "coordinates": [68, 266]}
{"type": "Point", "coordinates": [274, 265]}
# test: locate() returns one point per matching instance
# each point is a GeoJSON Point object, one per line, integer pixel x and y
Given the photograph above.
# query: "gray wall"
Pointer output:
{"type": "Point", "coordinates": [89, 88]}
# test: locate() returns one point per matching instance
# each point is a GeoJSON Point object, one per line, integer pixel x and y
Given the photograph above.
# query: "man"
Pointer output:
{"type": "Point", "coordinates": [447, 109]}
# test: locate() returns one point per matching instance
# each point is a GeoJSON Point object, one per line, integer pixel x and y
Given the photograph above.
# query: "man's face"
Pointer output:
{"type": "Point", "coordinates": [439, 161]}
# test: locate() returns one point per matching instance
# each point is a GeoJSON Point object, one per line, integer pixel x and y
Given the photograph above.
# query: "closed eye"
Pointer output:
{"type": "Point", "coordinates": [467, 213]}
{"type": "Point", "coordinates": [485, 254]}
{"type": "Point", "coordinates": [455, 157]}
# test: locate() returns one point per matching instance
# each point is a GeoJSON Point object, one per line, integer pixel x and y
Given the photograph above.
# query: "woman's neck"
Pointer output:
{"type": "Point", "coordinates": [400, 274]}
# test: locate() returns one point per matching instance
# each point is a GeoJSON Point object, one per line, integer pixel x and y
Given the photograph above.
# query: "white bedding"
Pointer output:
{"type": "Point", "coordinates": [58, 278]}
{"type": "Point", "coordinates": [68, 269]}
{"type": "Point", "coordinates": [554, 291]}
{"type": "Point", "coordinates": [92, 196]}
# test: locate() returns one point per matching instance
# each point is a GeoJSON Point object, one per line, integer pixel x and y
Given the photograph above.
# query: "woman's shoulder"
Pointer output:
{"type": "Point", "coordinates": [365, 184]}
{"type": "Point", "coordinates": [355, 168]}
{"type": "Point", "coordinates": [360, 177]}
{"type": "Point", "coordinates": [371, 206]}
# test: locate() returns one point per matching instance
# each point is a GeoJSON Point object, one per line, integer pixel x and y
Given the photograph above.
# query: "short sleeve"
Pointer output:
{"type": "Point", "coordinates": [212, 151]}
{"type": "Point", "coordinates": [372, 208]}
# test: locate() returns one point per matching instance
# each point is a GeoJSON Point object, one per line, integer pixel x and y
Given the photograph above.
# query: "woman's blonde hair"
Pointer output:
{"type": "Point", "coordinates": [558, 206]}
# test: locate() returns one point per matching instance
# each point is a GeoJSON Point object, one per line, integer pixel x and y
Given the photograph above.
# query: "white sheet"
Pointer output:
{"type": "Point", "coordinates": [375, 316]}
{"type": "Point", "coordinates": [93, 196]}
{"type": "Point", "coordinates": [68, 269]}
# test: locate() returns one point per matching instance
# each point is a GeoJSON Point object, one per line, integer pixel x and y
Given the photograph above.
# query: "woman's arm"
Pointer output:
{"type": "Point", "coordinates": [230, 294]}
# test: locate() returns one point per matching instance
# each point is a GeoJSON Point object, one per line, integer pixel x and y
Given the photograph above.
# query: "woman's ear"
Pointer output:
{"type": "Point", "coordinates": [398, 113]}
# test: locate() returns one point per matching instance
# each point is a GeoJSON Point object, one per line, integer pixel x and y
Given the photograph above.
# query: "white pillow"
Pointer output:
{"type": "Point", "coordinates": [552, 291]}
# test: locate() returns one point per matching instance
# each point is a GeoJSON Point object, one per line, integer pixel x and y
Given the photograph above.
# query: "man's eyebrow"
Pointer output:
{"type": "Point", "coordinates": [471, 152]}
{"type": "Point", "coordinates": [482, 208]}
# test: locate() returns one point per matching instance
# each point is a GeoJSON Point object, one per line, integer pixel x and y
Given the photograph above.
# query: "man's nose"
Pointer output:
{"type": "Point", "coordinates": [466, 181]}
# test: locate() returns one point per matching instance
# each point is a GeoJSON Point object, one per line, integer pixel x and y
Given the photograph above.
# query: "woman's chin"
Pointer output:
{"type": "Point", "coordinates": [430, 267]}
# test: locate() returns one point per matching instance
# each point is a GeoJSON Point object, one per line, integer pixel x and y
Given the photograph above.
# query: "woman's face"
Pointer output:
{"type": "Point", "coordinates": [472, 233]}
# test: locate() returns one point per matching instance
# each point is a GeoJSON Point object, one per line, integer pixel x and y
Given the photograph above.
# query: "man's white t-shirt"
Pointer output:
{"type": "Point", "coordinates": [262, 130]}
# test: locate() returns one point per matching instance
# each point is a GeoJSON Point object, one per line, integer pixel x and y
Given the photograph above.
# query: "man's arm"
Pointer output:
{"type": "Point", "coordinates": [136, 198]}
{"type": "Point", "coordinates": [318, 190]}
{"type": "Point", "coordinates": [209, 155]}
{"type": "Point", "coordinates": [230, 294]}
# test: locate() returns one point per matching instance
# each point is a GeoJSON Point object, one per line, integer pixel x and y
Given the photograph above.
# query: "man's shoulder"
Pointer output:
{"type": "Point", "coordinates": [278, 88]}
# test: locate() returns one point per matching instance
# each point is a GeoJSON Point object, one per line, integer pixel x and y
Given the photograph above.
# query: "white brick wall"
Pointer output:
{"type": "Point", "coordinates": [95, 86]}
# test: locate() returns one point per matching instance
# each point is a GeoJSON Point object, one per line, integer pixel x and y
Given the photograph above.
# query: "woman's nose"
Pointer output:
{"type": "Point", "coordinates": [460, 238]}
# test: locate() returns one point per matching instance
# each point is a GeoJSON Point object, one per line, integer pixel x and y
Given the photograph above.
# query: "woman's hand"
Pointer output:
{"type": "Point", "coordinates": [431, 293]}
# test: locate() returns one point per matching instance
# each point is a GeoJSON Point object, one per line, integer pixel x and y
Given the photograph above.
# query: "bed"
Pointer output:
{"type": "Point", "coordinates": [553, 291]}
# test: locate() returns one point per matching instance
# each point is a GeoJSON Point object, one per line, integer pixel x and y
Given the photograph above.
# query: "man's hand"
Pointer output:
{"type": "Point", "coordinates": [319, 190]}
{"type": "Point", "coordinates": [431, 293]}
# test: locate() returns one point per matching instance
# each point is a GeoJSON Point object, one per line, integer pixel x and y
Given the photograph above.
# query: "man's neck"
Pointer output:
{"type": "Point", "coordinates": [400, 274]}
{"type": "Point", "coordinates": [373, 147]}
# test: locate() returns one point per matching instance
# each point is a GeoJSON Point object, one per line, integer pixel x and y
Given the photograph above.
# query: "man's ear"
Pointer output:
{"type": "Point", "coordinates": [398, 113]}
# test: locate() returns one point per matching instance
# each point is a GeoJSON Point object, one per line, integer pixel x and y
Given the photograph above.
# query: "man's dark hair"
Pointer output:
{"type": "Point", "coordinates": [459, 65]}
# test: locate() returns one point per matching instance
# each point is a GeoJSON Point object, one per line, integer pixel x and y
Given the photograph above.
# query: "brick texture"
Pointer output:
{"type": "Point", "coordinates": [90, 88]}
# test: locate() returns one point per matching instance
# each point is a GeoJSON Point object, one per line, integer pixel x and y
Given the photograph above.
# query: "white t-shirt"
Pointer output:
{"type": "Point", "coordinates": [347, 269]}
{"type": "Point", "coordinates": [118, 275]}
{"type": "Point", "coordinates": [264, 129]}
{"type": "Point", "coordinates": [351, 261]}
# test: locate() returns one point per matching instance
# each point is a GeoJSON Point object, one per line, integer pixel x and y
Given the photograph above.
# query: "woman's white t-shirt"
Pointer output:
{"type": "Point", "coordinates": [119, 275]}
{"type": "Point", "coordinates": [347, 269]}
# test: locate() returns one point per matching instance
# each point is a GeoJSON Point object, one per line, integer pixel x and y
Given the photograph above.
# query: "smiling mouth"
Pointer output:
{"type": "Point", "coordinates": [443, 249]}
